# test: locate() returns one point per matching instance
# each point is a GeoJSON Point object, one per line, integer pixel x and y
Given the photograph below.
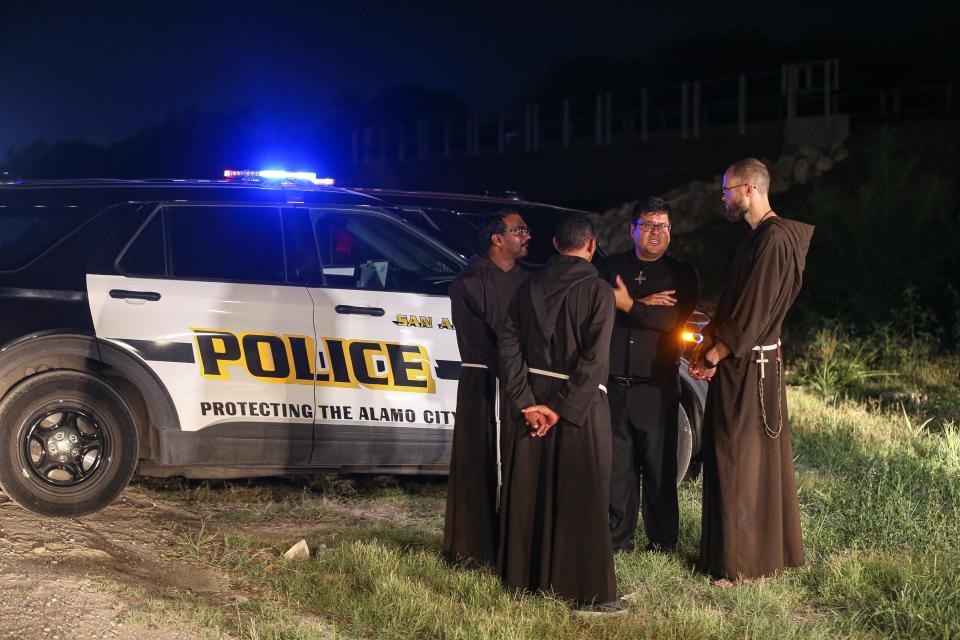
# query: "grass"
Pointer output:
{"type": "Point", "coordinates": [879, 490]}
{"type": "Point", "coordinates": [271, 619]}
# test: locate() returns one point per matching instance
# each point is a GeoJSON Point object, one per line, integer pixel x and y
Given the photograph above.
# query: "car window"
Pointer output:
{"type": "Point", "coordinates": [145, 256]}
{"type": "Point", "coordinates": [458, 231]}
{"type": "Point", "coordinates": [369, 251]}
{"type": "Point", "coordinates": [233, 243]}
{"type": "Point", "coordinates": [27, 232]}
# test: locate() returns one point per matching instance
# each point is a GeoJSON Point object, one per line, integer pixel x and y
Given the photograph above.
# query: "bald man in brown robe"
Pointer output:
{"type": "Point", "coordinates": [751, 519]}
{"type": "Point", "coordinates": [555, 350]}
{"type": "Point", "coordinates": [480, 297]}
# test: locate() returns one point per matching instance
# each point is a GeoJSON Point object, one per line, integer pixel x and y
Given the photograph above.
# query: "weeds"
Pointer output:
{"type": "Point", "coordinates": [880, 508]}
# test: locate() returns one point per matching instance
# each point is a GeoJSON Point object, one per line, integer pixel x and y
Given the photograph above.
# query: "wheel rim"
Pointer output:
{"type": "Point", "coordinates": [64, 447]}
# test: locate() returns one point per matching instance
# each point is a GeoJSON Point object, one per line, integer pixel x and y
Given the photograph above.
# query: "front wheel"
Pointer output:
{"type": "Point", "coordinates": [69, 444]}
{"type": "Point", "coordinates": [685, 442]}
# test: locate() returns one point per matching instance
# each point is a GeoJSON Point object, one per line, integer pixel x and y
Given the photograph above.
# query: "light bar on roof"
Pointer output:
{"type": "Point", "coordinates": [280, 174]}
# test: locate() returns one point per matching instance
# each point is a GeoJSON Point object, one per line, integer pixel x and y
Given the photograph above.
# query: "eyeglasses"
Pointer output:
{"type": "Point", "coordinates": [726, 190]}
{"type": "Point", "coordinates": [648, 227]}
{"type": "Point", "coordinates": [521, 230]}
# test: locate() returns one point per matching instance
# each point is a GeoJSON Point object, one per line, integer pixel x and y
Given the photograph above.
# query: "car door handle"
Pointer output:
{"type": "Point", "coordinates": [360, 311]}
{"type": "Point", "coordinates": [124, 294]}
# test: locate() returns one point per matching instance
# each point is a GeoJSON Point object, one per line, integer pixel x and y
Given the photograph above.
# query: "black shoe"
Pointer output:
{"type": "Point", "coordinates": [611, 608]}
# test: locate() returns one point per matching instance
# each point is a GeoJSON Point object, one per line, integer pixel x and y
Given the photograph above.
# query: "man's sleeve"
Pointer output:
{"type": "Point", "coordinates": [574, 400]}
{"type": "Point", "coordinates": [750, 316]}
{"type": "Point", "coordinates": [665, 319]}
{"type": "Point", "coordinates": [513, 368]}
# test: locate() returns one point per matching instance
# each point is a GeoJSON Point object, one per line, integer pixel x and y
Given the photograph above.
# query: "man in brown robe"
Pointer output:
{"type": "Point", "coordinates": [554, 349]}
{"type": "Point", "coordinates": [480, 297]}
{"type": "Point", "coordinates": [751, 519]}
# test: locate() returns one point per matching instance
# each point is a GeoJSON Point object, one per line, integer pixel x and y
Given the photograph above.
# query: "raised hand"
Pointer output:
{"type": "Point", "coordinates": [660, 299]}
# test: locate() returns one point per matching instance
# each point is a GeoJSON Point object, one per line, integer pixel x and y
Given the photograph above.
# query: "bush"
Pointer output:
{"type": "Point", "coordinates": [887, 246]}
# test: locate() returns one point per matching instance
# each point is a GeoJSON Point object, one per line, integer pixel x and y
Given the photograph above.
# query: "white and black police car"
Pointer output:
{"type": "Point", "coordinates": [263, 324]}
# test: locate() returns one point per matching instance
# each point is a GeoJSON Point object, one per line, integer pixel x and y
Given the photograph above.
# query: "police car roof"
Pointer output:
{"type": "Point", "coordinates": [99, 191]}
{"type": "Point", "coordinates": [465, 203]}
{"type": "Point", "coordinates": [95, 191]}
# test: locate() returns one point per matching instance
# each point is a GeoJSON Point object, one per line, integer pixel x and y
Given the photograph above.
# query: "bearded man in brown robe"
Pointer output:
{"type": "Point", "coordinates": [751, 519]}
{"type": "Point", "coordinates": [555, 349]}
{"type": "Point", "coordinates": [480, 297]}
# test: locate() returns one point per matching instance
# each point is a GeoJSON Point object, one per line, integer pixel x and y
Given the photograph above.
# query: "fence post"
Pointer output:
{"type": "Point", "coordinates": [423, 140]}
{"type": "Point", "coordinates": [598, 119]}
{"type": "Point", "coordinates": [791, 82]}
{"type": "Point", "coordinates": [476, 134]}
{"type": "Point", "coordinates": [566, 123]}
{"type": "Point", "coordinates": [501, 143]}
{"type": "Point", "coordinates": [644, 112]}
{"type": "Point", "coordinates": [536, 125]}
{"type": "Point", "coordinates": [607, 117]}
{"type": "Point", "coordinates": [696, 110]}
{"type": "Point", "coordinates": [684, 109]}
{"type": "Point", "coordinates": [742, 106]}
{"type": "Point", "coordinates": [527, 128]}
{"type": "Point", "coordinates": [826, 87]}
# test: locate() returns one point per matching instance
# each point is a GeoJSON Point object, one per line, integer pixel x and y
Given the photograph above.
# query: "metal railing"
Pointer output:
{"type": "Point", "coordinates": [741, 104]}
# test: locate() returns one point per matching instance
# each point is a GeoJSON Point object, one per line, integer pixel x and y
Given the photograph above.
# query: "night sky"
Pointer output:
{"type": "Point", "coordinates": [100, 71]}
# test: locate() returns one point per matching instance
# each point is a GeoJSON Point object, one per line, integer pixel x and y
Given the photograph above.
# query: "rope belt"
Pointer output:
{"type": "Point", "coordinates": [761, 360]}
{"type": "Point", "coordinates": [560, 376]}
{"type": "Point", "coordinates": [496, 420]}
{"type": "Point", "coordinates": [496, 411]}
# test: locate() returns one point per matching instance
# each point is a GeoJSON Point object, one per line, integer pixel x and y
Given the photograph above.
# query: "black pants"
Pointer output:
{"type": "Point", "coordinates": [644, 424]}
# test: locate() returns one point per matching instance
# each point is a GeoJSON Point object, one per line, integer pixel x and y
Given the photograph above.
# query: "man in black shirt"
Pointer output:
{"type": "Point", "coordinates": [655, 294]}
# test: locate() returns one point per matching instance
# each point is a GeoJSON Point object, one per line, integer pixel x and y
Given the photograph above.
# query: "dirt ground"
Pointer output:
{"type": "Point", "coordinates": [79, 578]}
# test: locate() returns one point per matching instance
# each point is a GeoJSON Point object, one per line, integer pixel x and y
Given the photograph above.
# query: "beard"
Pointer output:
{"type": "Point", "coordinates": [734, 212]}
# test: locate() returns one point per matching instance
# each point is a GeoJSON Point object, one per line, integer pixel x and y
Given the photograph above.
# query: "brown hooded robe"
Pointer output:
{"type": "Point", "coordinates": [751, 519]}
{"type": "Point", "coordinates": [479, 298]}
{"type": "Point", "coordinates": [554, 534]}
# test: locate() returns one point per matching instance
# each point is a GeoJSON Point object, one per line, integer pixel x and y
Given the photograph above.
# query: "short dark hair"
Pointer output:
{"type": "Point", "coordinates": [493, 223]}
{"type": "Point", "coordinates": [651, 205]}
{"type": "Point", "coordinates": [574, 232]}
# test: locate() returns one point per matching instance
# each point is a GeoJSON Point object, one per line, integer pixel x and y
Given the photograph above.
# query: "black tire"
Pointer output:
{"type": "Point", "coordinates": [69, 444]}
{"type": "Point", "coordinates": [692, 404]}
{"type": "Point", "coordinates": [685, 438]}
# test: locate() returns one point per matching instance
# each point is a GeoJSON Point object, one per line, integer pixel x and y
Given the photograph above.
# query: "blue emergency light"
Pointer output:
{"type": "Point", "coordinates": [279, 174]}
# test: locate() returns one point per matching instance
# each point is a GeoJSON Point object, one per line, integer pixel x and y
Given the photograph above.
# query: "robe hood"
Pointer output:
{"type": "Point", "coordinates": [549, 288]}
{"type": "Point", "coordinates": [799, 235]}
{"type": "Point", "coordinates": [483, 262]}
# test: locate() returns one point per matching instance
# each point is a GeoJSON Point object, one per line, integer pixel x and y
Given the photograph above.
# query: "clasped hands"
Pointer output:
{"type": "Point", "coordinates": [540, 418]}
{"type": "Point", "coordinates": [705, 357]}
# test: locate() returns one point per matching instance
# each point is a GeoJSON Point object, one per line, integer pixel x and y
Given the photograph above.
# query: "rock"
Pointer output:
{"type": "Point", "coordinates": [39, 550]}
{"type": "Point", "coordinates": [299, 551]}
{"type": "Point", "coordinates": [801, 171]}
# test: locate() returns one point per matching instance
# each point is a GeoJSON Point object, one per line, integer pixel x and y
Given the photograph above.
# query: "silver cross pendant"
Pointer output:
{"type": "Point", "coordinates": [761, 361]}
{"type": "Point", "coordinates": [640, 278]}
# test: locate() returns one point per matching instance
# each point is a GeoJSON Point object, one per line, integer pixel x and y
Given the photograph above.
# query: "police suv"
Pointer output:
{"type": "Point", "coordinates": [262, 324]}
